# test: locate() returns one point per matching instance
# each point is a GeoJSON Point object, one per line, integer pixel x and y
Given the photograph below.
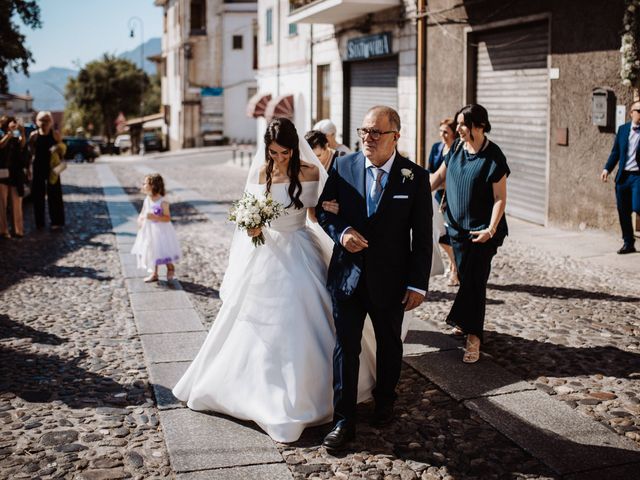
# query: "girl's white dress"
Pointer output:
{"type": "Point", "coordinates": [156, 242]}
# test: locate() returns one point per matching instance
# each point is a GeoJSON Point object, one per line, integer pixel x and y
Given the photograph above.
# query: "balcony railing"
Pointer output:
{"type": "Point", "coordinates": [335, 11]}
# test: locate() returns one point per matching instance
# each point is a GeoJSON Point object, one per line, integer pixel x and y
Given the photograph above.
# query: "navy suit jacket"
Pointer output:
{"type": "Point", "coordinates": [399, 234]}
{"type": "Point", "coordinates": [620, 151]}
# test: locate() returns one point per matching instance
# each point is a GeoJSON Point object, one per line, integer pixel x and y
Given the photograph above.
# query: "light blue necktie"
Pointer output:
{"type": "Point", "coordinates": [375, 192]}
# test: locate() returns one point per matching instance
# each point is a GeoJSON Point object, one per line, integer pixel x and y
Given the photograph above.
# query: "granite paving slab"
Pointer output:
{"type": "Point", "coordinates": [160, 300]}
{"type": "Point", "coordinates": [172, 347]}
{"type": "Point", "coordinates": [198, 441]}
{"type": "Point", "coordinates": [422, 339]}
{"type": "Point", "coordinates": [163, 377]}
{"type": "Point", "coordinates": [464, 381]}
{"type": "Point", "coordinates": [167, 321]}
{"type": "Point", "coordinates": [136, 285]}
{"type": "Point", "coordinates": [565, 440]}
{"type": "Point", "coordinates": [271, 471]}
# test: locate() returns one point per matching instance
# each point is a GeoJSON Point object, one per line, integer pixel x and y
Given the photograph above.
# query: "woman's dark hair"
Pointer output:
{"type": "Point", "coordinates": [4, 122]}
{"type": "Point", "coordinates": [315, 138]}
{"type": "Point", "coordinates": [283, 132]}
{"type": "Point", "coordinates": [475, 114]}
{"type": "Point", "coordinates": [156, 183]}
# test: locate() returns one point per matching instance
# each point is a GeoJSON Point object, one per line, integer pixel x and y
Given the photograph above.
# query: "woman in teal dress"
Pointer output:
{"type": "Point", "coordinates": [475, 171]}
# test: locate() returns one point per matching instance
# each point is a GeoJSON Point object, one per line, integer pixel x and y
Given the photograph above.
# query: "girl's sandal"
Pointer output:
{"type": "Point", "coordinates": [472, 351]}
{"type": "Point", "coordinates": [151, 278]}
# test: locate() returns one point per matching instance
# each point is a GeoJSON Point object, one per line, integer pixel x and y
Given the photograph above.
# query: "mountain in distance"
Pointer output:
{"type": "Point", "coordinates": [47, 86]}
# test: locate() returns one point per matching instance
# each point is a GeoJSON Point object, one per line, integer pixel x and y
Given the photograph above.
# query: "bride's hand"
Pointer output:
{"type": "Point", "coordinates": [331, 206]}
{"type": "Point", "coordinates": [254, 232]}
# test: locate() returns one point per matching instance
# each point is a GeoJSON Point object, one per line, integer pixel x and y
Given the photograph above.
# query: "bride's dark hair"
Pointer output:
{"type": "Point", "coordinates": [283, 132]}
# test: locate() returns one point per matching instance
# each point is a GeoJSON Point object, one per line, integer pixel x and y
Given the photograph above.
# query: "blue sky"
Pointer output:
{"type": "Point", "coordinates": [82, 30]}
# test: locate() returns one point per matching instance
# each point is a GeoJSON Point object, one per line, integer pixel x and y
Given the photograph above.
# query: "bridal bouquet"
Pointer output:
{"type": "Point", "coordinates": [252, 212]}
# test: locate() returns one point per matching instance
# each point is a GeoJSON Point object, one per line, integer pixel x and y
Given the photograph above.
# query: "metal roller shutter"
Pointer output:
{"type": "Point", "coordinates": [512, 83]}
{"type": "Point", "coordinates": [373, 82]}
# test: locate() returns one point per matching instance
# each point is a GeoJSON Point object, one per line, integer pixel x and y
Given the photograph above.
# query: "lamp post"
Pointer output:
{"type": "Point", "coordinates": [132, 34]}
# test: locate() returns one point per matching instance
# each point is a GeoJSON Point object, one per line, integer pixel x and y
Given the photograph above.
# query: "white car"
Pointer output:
{"type": "Point", "coordinates": [122, 142]}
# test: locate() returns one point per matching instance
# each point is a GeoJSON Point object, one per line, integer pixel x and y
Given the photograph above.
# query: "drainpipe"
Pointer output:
{"type": "Point", "coordinates": [277, 22]}
{"type": "Point", "coordinates": [311, 76]}
{"type": "Point", "coordinates": [421, 76]}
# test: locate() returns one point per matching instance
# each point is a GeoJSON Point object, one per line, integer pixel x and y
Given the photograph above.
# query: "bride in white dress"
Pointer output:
{"type": "Point", "coordinates": [268, 356]}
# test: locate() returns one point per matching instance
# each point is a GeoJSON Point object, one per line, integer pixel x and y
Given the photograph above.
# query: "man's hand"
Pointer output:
{"type": "Point", "coordinates": [412, 299]}
{"type": "Point", "coordinates": [604, 176]}
{"type": "Point", "coordinates": [353, 242]}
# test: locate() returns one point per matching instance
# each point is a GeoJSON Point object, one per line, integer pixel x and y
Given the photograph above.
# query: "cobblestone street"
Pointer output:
{"type": "Point", "coordinates": [75, 394]}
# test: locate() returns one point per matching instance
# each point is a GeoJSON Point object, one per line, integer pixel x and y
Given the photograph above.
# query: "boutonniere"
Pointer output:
{"type": "Point", "coordinates": [407, 174]}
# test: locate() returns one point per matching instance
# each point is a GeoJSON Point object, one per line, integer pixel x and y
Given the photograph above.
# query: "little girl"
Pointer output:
{"type": "Point", "coordinates": [156, 242]}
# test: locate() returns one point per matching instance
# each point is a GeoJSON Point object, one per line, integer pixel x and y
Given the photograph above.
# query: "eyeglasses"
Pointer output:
{"type": "Point", "coordinates": [375, 134]}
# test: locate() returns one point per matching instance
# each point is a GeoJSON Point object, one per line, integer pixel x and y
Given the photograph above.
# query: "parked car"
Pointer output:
{"type": "Point", "coordinates": [122, 143]}
{"type": "Point", "coordinates": [151, 141]}
{"type": "Point", "coordinates": [80, 149]}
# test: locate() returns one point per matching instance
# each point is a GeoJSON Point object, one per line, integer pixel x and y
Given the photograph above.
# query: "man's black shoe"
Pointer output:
{"type": "Point", "coordinates": [382, 416]}
{"type": "Point", "coordinates": [626, 249]}
{"type": "Point", "coordinates": [339, 437]}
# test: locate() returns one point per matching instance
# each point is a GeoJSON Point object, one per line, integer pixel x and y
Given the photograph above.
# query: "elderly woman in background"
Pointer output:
{"type": "Point", "coordinates": [327, 127]}
{"type": "Point", "coordinates": [475, 171]}
{"type": "Point", "coordinates": [12, 144]}
{"type": "Point", "coordinates": [320, 145]}
{"type": "Point", "coordinates": [42, 143]}
{"type": "Point", "coordinates": [439, 149]}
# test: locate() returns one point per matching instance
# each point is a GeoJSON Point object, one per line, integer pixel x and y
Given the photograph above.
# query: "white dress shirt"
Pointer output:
{"type": "Point", "coordinates": [634, 140]}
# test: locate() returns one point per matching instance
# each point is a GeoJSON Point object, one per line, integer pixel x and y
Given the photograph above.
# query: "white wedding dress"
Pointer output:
{"type": "Point", "coordinates": [268, 356]}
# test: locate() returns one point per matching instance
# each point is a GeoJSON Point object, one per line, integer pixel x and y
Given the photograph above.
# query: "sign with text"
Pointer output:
{"type": "Point", "coordinates": [370, 46]}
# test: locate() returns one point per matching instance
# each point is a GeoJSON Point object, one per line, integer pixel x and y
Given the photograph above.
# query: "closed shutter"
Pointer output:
{"type": "Point", "coordinates": [373, 82]}
{"type": "Point", "coordinates": [512, 84]}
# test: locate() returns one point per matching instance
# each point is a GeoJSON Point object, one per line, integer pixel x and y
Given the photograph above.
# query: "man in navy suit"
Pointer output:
{"type": "Point", "coordinates": [626, 155]}
{"type": "Point", "coordinates": [380, 264]}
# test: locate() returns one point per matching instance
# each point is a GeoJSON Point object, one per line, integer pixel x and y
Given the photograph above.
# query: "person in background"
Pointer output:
{"type": "Point", "coordinates": [475, 171]}
{"type": "Point", "coordinates": [439, 149]}
{"type": "Point", "coordinates": [42, 143]}
{"type": "Point", "coordinates": [626, 155]}
{"type": "Point", "coordinates": [320, 145]}
{"type": "Point", "coordinates": [327, 127]}
{"type": "Point", "coordinates": [12, 144]}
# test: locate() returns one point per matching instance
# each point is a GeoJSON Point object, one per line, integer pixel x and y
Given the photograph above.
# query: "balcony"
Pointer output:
{"type": "Point", "coordinates": [335, 11]}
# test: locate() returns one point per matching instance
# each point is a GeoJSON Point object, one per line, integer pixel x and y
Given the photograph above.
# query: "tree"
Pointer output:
{"type": "Point", "coordinates": [152, 96]}
{"type": "Point", "coordinates": [103, 89]}
{"type": "Point", "coordinates": [13, 53]}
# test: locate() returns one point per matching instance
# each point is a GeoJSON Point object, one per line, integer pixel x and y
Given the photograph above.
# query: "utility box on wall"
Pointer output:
{"type": "Point", "coordinates": [602, 107]}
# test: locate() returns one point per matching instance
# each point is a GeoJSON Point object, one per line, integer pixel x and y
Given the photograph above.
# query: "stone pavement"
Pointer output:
{"type": "Point", "coordinates": [555, 395]}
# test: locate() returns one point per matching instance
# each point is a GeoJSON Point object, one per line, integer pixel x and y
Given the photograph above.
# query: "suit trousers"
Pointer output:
{"type": "Point", "coordinates": [39, 188]}
{"type": "Point", "coordinates": [474, 266]}
{"type": "Point", "coordinates": [628, 200]}
{"type": "Point", "coordinates": [349, 316]}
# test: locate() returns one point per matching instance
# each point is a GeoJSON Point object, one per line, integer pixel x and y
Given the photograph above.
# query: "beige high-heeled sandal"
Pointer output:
{"type": "Point", "coordinates": [471, 350]}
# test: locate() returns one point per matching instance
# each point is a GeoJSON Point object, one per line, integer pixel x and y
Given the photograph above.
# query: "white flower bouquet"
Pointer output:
{"type": "Point", "coordinates": [630, 69]}
{"type": "Point", "coordinates": [252, 212]}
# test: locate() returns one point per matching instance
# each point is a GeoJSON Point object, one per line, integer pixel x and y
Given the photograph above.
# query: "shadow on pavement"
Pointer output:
{"type": "Point", "coordinates": [12, 329]}
{"type": "Point", "coordinates": [560, 293]}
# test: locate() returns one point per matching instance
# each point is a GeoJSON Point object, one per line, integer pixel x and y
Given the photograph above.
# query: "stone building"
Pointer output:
{"type": "Point", "coordinates": [208, 71]}
{"type": "Point", "coordinates": [19, 106]}
{"type": "Point", "coordinates": [537, 67]}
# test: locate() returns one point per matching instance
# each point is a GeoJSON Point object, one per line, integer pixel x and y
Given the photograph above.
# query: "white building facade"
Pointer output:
{"type": "Point", "coordinates": [208, 71]}
{"type": "Point", "coordinates": [336, 59]}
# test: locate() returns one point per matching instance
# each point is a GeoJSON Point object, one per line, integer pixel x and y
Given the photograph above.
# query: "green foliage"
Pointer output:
{"type": "Point", "coordinates": [103, 89]}
{"type": "Point", "coordinates": [152, 96]}
{"type": "Point", "coordinates": [14, 55]}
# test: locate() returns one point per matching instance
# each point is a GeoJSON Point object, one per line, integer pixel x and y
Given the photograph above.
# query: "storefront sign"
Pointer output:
{"type": "Point", "coordinates": [370, 46]}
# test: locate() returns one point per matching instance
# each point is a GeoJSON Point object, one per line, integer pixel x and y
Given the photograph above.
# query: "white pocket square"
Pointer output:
{"type": "Point", "coordinates": [401, 197]}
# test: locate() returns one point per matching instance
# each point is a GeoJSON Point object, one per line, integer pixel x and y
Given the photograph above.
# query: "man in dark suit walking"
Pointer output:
{"type": "Point", "coordinates": [626, 155]}
{"type": "Point", "coordinates": [380, 264]}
